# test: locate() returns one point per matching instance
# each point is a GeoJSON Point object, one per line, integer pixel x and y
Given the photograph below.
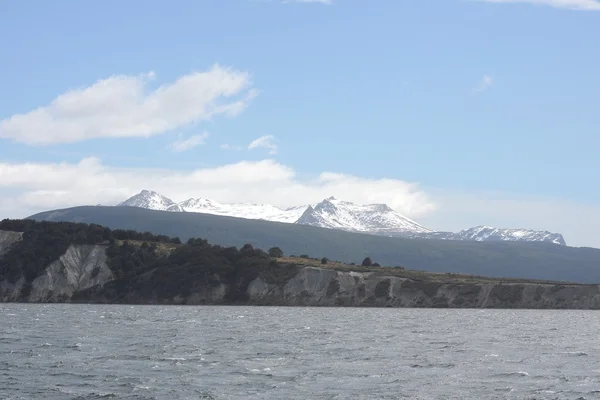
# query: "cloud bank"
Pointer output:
{"type": "Point", "coordinates": [27, 188]}
{"type": "Point", "coordinates": [42, 186]}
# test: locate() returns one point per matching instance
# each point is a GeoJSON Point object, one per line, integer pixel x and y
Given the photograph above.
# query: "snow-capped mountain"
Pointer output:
{"type": "Point", "coordinates": [373, 218]}
{"type": "Point", "coordinates": [332, 213]}
{"type": "Point", "coordinates": [241, 210]}
{"type": "Point", "coordinates": [485, 233]}
{"type": "Point", "coordinates": [150, 200]}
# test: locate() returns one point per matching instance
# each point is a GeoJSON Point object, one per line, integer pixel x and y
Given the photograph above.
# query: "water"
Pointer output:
{"type": "Point", "coordinates": [152, 352]}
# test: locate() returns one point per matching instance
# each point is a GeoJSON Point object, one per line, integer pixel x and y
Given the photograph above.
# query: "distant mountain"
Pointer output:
{"type": "Point", "coordinates": [373, 218]}
{"type": "Point", "coordinates": [151, 201]}
{"type": "Point", "coordinates": [332, 213]}
{"type": "Point", "coordinates": [243, 210]}
{"type": "Point", "coordinates": [536, 260]}
{"type": "Point", "coordinates": [486, 233]}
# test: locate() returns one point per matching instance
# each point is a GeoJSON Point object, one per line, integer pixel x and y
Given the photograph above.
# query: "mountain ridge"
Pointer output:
{"type": "Point", "coordinates": [333, 213]}
{"type": "Point", "coordinates": [539, 260]}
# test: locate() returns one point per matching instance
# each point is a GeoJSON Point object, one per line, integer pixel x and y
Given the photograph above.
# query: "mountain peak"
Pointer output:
{"type": "Point", "coordinates": [149, 199]}
{"type": "Point", "coordinates": [374, 218]}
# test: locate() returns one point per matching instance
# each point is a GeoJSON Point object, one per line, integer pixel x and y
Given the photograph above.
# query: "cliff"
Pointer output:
{"type": "Point", "coordinates": [79, 268]}
{"type": "Point", "coordinates": [324, 287]}
{"type": "Point", "coordinates": [7, 239]}
{"type": "Point", "coordinates": [114, 269]}
{"type": "Point", "coordinates": [313, 286]}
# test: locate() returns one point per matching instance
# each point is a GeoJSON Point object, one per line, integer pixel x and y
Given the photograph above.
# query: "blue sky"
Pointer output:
{"type": "Point", "coordinates": [456, 113]}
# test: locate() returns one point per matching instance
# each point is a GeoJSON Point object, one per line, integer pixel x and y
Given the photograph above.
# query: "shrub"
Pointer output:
{"type": "Point", "coordinates": [275, 252]}
{"type": "Point", "coordinates": [324, 260]}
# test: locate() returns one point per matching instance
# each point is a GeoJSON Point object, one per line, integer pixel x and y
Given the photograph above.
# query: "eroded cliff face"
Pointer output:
{"type": "Point", "coordinates": [324, 287]}
{"type": "Point", "coordinates": [7, 239]}
{"type": "Point", "coordinates": [81, 267]}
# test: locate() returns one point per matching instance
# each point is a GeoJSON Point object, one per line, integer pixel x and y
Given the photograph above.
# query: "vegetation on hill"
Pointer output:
{"type": "Point", "coordinates": [512, 259]}
{"type": "Point", "coordinates": [176, 269]}
{"type": "Point", "coordinates": [44, 242]}
{"type": "Point", "coordinates": [157, 268]}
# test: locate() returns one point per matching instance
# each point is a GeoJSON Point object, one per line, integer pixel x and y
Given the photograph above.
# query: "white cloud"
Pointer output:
{"type": "Point", "coordinates": [26, 188]}
{"type": "Point", "coordinates": [121, 106]}
{"type": "Point", "coordinates": [181, 145]}
{"type": "Point", "coordinates": [266, 142]}
{"type": "Point", "coordinates": [484, 84]}
{"type": "Point", "coordinates": [226, 146]}
{"type": "Point", "coordinates": [584, 5]}
{"type": "Point", "coordinates": [37, 186]}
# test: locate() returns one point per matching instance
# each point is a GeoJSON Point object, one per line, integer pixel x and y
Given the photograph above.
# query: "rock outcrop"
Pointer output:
{"type": "Point", "coordinates": [7, 239]}
{"type": "Point", "coordinates": [313, 286]}
{"type": "Point", "coordinates": [81, 267]}
{"type": "Point", "coordinates": [325, 287]}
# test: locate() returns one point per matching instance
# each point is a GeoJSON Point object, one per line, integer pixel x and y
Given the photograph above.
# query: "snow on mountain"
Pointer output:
{"type": "Point", "coordinates": [486, 233]}
{"type": "Point", "coordinates": [242, 210]}
{"type": "Point", "coordinates": [373, 218]}
{"type": "Point", "coordinates": [333, 213]}
{"type": "Point", "coordinates": [150, 200]}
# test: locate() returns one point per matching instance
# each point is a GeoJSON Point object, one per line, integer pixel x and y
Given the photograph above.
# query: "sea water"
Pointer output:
{"type": "Point", "coordinates": [64, 351]}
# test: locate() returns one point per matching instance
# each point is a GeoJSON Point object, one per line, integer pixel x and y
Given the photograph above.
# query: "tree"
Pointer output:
{"type": "Point", "coordinates": [367, 262]}
{"type": "Point", "coordinates": [324, 260]}
{"type": "Point", "coordinates": [376, 265]}
{"type": "Point", "coordinates": [247, 247]}
{"type": "Point", "coordinates": [275, 252]}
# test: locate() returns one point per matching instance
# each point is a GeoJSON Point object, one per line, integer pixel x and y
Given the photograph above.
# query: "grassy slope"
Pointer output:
{"type": "Point", "coordinates": [495, 259]}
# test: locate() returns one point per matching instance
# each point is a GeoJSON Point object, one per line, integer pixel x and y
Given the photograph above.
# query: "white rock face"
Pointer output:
{"type": "Point", "coordinates": [323, 287]}
{"type": "Point", "coordinates": [7, 239]}
{"type": "Point", "coordinates": [81, 267]}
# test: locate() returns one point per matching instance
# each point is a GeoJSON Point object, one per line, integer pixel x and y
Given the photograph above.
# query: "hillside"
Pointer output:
{"type": "Point", "coordinates": [100, 265]}
{"type": "Point", "coordinates": [528, 260]}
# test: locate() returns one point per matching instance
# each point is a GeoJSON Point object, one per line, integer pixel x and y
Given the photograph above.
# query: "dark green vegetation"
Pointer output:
{"type": "Point", "coordinates": [146, 265]}
{"type": "Point", "coordinates": [497, 259]}
{"type": "Point", "coordinates": [44, 242]}
{"type": "Point", "coordinates": [151, 276]}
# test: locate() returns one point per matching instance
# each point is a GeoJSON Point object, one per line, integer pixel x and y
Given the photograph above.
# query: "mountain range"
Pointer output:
{"type": "Point", "coordinates": [333, 213]}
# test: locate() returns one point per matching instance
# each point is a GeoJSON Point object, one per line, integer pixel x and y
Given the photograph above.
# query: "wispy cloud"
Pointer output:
{"type": "Point", "coordinates": [226, 146]}
{"type": "Point", "coordinates": [484, 84]}
{"type": "Point", "coordinates": [266, 142]}
{"type": "Point", "coordinates": [584, 5]}
{"type": "Point", "coordinates": [181, 145]}
{"type": "Point", "coordinates": [120, 106]}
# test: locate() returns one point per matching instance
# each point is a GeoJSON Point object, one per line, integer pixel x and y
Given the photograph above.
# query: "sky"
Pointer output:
{"type": "Point", "coordinates": [454, 112]}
